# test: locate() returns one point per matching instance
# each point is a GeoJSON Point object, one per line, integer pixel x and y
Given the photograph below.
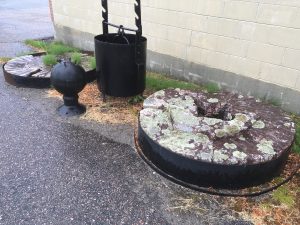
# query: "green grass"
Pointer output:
{"type": "Point", "coordinates": [212, 88]}
{"type": "Point", "coordinates": [37, 44]}
{"type": "Point", "coordinates": [53, 48]}
{"type": "Point", "coordinates": [92, 63]}
{"type": "Point", "coordinates": [156, 82]}
{"type": "Point", "coordinates": [58, 48]}
{"type": "Point", "coordinates": [274, 102]}
{"type": "Point", "coordinates": [283, 196]}
{"type": "Point", "coordinates": [296, 147]}
{"type": "Point", "coordinates": [136, 99]}
{"type": "Point", "coordinates": [49, 60]}
{"type": "Point", "coordinates": [76, 58]}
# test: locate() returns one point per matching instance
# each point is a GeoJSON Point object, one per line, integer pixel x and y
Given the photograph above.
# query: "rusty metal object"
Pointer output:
{"type": "Point", "coordinates": [222, 140]}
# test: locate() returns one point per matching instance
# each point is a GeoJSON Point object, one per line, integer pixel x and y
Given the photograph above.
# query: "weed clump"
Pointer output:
{"type": "Point", "coordinates": [212, 88]}
{"type": "Point", "coordinates": [283, 196]}
{"type": "Point", "coordinates": [156, 82]}
{"type": "Point", "coordinates": [296, 146]}
{"type": "Point", "coordinates": [76, 58]}
{"type": "Point", "coordinates": [49, 60]}
{"type": "Point", "coordinates": [92, 63]}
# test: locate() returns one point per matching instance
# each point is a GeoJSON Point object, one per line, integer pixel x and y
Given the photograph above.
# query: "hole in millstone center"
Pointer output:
{"type": "Point", "coordinates": [218, 112]}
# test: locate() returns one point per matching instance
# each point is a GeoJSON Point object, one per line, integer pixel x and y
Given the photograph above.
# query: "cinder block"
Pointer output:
{"type": "Point", "coordinates": [228, 27]}
{"type": "Point", "coordinates": [183, 6]}
{"type": "Point", "coordinates": [265, 53]}
{"type": "Point", "coordinates": [280, 36]}
{"type": "Point", "coordinates": [160, 30]}
{"type": "Point", "coordinates": [244, 67]}
{"type": "Point", "coordinates": [151, 43]}
{"type": "Point", "coordinates": [194, 54]}
{"type": "Point", "coordinates": [121, 9]}
{"type": "Point", "coordinates": [262, 33]}
{"type": "Point", "coordinates": [292, 58]}
{"type": "Point", "coordinates": [217, 60]}
{"type": "Point", "coordinates": [232, 46]}
{"type": "Point", "coordinates": [167, 32]}
{"type": "Point", "coordinates": [285, 37]}
{"type": "Point", "coordinates": [213, 7]}
{"type": "Point", "coordinates": [125, 21]}
{"type": "Point", "coordinates": [170, 48]}
{"type": "Point", "coordinates": [279, 75]}
{"type": "Point", "coordinates": [246, 30]}
{"type": "Point", "coordinates": [277, 14]}
{"type": "Point", "coordinates": [282, 2]}
{"type": "Point", "coordinates": [241, 10]}
{"type": "Point", "coordinates": [63, 20]}
{"type": "Point", "coordinates": [204, 40]}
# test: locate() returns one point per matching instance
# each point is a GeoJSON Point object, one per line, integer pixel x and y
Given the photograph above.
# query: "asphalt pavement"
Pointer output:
{"type": "Point", "coordinates": [21, 20]}
{"type": "Point", "coordinates": [55, 170]}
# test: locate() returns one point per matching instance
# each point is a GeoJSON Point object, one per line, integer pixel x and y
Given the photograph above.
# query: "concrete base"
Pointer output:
{"type": "Point", "coordinates": [287, 98]}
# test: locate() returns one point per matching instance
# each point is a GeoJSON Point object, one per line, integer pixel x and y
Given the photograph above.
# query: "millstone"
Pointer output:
{"type": "Point", "coordinates": [221, 139]}
{"type": "Point", "coordinates": [27, 66]}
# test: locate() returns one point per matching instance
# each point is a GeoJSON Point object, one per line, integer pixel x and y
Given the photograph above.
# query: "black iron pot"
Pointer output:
{"type": "Point", "coordinates": [118, 72]}
{"type": "Point", "coordinates": [121, 58]}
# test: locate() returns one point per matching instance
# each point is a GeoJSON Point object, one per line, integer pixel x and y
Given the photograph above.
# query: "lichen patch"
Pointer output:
{"type": "Point", "coordinates": [287, 124]}
{"type": "Point", "coordinates": [213, 100]}
{"type": "Point", "coordinates": [230, 146]}
{"type": "Point", "coordinates": [239, 155]}
{"type": "Point", "coordinates": [220, 156]}
{"type": "Point", "coordinates": [266, 147]}
{"type": "Point", "coordinates": [211, 121]}
{"type": "Point", "coordinates": [259, 124]}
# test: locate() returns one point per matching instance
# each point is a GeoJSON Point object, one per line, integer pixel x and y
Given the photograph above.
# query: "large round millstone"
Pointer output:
{"type": "Point", "coordinates": [221, 140]}
{"type": "Point", "coordinates": [27, 71]}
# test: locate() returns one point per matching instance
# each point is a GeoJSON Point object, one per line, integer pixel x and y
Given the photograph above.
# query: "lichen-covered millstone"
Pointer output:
{"type": "Point", "coordinates": [221, 129]}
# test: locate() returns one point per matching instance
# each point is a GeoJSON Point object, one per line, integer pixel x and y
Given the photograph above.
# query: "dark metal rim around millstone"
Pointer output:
{"type": "Point", "coordinates": [31, 82]}
{"type": "Point", "coordinates": [203, 176]}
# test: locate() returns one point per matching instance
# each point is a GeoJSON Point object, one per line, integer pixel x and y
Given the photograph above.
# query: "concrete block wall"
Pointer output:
{"type": "Point", "coordinates": [255, 39]}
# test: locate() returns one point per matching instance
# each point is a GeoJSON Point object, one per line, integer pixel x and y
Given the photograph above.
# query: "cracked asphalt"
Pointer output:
{"type": "Point", "coordinates": [60, 171]}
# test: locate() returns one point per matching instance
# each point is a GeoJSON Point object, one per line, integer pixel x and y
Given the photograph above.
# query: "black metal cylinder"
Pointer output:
{"type": "Point", "coordinates": [121, 67]}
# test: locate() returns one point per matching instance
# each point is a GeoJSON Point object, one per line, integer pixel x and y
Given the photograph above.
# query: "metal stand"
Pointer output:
{"type": "Point", "coordinates": [140, 64]}
{"type": "Point", "coordinates": [71, 106]}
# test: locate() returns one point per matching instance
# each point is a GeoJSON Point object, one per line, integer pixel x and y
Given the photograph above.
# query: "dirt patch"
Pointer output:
{"type": "Point", "coordinates": [281, 206]}
{"type": "Point", "coordinates": [113, 111]}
